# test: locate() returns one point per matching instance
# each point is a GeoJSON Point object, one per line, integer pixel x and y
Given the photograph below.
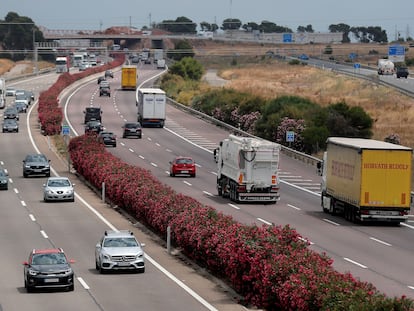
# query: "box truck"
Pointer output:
{"type": "Point", "coordinates": [151, 104]}
{"type": "Point", "coordinates": [366, 180]}
{"type": "Point", "coordinates": [248, 169]}
{"type": "Point", "coordinates": [129, 77]}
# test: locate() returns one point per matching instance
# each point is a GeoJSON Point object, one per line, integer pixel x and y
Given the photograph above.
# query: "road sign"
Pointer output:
{"type": "Point", "coordinates": [65, 130]}
{"type": "Point", "coordinates": [287, 37]}
{"type": "Point", "coordinates": [396, 53]}
{"type": "Point", "coordinates": [357, 66]}
{"type": "Point", "coordinates": [290, 136]}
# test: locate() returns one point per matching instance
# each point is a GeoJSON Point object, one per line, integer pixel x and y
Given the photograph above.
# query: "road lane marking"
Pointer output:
{"type": "Point", "coordinates": [356, 263]}
{"type": "Point", "coordinates": [43, 233]}
{"type": "Point", "coordinates": [233, 206]}
{"type": "Point", "coordinates": [83, 283]}
{"type": "Point", "coordinates": [32, 218]}
{"type": "Point", "coordinates": [331, 222]}
{"type": "Point", "coordinates": [379, 241]}
{"type": "Point", "coordinates": [264, 221]}
{"type": "Point", "coordinates": [23, 203]}
{"type": "Point", "coordinates": [208, 193]}
{"type": "Point", "coordinates": [292, 206]}
{"type": "Point", "coordinates": [154, 164]}
{"type": "Point", "coordinates": [187, 183]}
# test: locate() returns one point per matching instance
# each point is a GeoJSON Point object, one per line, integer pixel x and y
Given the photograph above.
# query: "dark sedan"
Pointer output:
{"type": "Point", "coordinates": [132, 129]}
{"type": "Point", "coordinates": [107, 138]}
{"type": "Point", "coordinates": [4, 179]}
{"type": "Point", "coordinates": [10, 126]}
{"type": "Point", "coordinates": [93, 127]}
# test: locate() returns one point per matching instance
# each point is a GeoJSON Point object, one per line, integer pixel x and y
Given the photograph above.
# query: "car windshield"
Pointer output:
{"type": "Point", "coordinates": [2, 174]}
{"type": "Point", "coordinates": [131, 125]}
{"type": "Point", "coordinates": [49, 259]}
{"type": "Point", "coordinates": [36, 158]}
{"type": "Point", "coordinates": [120, 242]}
{"type": "Point", "coordinates": [184, 161]}
{"type": "Point", "coordinates": [58, 183]}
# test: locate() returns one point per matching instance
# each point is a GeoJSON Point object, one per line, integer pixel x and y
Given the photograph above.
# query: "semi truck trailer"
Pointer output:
{"type": "Point", "coordinates": [151, 103]}
{"type": "Point", "coordinates": [248, 169]}
{"type": "Point", "coordinates": [129, 77]}
{"type": "Point", "coordinates": [366, 180]}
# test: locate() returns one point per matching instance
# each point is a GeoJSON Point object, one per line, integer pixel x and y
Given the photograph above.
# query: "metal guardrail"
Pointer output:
{"type": "Point", "coordinates": [303, 157]}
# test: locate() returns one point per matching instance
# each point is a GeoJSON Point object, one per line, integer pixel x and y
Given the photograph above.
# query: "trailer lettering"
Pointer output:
{"type": "Point", "coordinates": [343, 170]}
{"type": "Point", "coordinates": [386, 166]}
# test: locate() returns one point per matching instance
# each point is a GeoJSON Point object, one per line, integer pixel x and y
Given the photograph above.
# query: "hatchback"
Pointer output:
{"type": "Point", "coordinates": [182, 166]}
{"type": "Point", "coordinates": [132, 129]}
{"type": "Point", "coordinates": [93, 127]}
{"type": "Point", "coordinates": [107, 138]}
{"type": "Point", "coordinates": [58, 189]}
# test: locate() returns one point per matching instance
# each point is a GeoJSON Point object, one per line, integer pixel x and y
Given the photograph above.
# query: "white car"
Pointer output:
{"type": "Point", "coordinates": [58, 189]}
{"type": "Point", "coordinates": [10, 91]}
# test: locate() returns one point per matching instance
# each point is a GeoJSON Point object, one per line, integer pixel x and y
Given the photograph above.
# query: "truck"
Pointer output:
{"type": "Point", "coordinates": [129, 77]}
{"type": "Point", "coordinates": [385, 67]}
{"type": "Point", "coordinates": [366, 180]}
{"type": "Point", "coordinates": [2, 93]}
{"type": "Point", "coordinates": [160, 63]}
{"type": "Point", "coordinates": [248, 169]}
{"type": "Point", "coordinates": [151, 103]}
{"type": "Point", "coordinates": [62, 64]}
{"type": "Point", "coordinates": [78, 58]}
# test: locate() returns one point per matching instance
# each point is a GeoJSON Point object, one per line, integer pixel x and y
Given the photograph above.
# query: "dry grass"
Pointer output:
{"type": "Point", "coordinates": [6, 65]}
{"type": "Point", "coordinates": [392, 112]}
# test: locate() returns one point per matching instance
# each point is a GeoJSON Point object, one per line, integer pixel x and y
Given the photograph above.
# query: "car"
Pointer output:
{"type": "Point", "coordinates": [48, 268]}
{"type": "Point", "coordinates": [119, 250]}
{"type": "Point", "coordinates": [100, 79]}
{"type": "Point", "coordinates": [105, 91]}
{"type": "Point", "coordinates": [24, 97]}
{"type": "Point", "coordinates": [109, 73]}
{"type": "Point", "coordinates": [107, 138]}
{"type": "Point", "coordinates": [36, 164]}
{"type": "Point", "coordinates": [402, 72]}
{"type": "Point", "coordinates": [2, 102]}
{"type": "Point", "coordinates": [93, 127]}
{"type": "Point", "coordinates": [304, 57]}
{"type": "Point", "coordinates": [10, 91]}
{"type": "Point", "coordinates": [10, 125]}
{"type": "Point", "coordinates": [92, 113]}
{"type": "Point", "coordinates": [58, 189]}
{"type": "Point", "coordinates": [182, 166]}
{"type": "Point", "coordinates": [11, 113]}
{"type": "Point", "coordinates": [104, 83]}
{"type": "Point", "coordinates": [132, 129]}
{"type": "Point", "coordinates": [20, 105]}
{"type": "Point", "coordinates": [4, 179]}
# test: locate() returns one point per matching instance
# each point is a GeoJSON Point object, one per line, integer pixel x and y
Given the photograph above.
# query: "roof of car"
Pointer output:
{"type": "Point", "coordinates": [47, 251]}
{"type": "Point", "coordinates": [121, 233]}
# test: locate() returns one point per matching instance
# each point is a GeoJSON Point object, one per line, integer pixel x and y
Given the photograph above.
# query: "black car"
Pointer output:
{"type": "Point", "coordinates": [105, 91]}
{"type": "Point", "coordinates": [100, 79]}
{"type": "Point", "coordinates": [11, 113]}
{"type": "Point", "coordinates": [48, 268]}
{"type": "Point", "coordinates": [36, 164]}
{"type": "Point", "coordinates": [93, 127]}
{"type": "Point", "coordinates": [10, 125]}
{"type": "Point", "coordinates": [402, 72]}
{"type": "Point", "coordinates": [93, 113]}
{"type": "Point", "coordinates": [132, 129]}
{"type": "Point", "coordinates": [107, 138]}
{"type": "Point", "coordinates": [109, 73]}
{"type": "Point", "coordinates": [4, 179]}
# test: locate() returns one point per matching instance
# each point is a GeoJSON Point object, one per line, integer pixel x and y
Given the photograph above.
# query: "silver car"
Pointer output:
{"type": "Point", "coordinates": [58, 189]}
{"type": "Point", "coordinates": [119, 250]}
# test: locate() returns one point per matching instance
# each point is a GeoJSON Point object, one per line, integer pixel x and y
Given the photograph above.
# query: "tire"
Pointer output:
{"type": "Point", "coordinates": [172, 174]}
{"type": "Point", "coordinates": [194, 175]}
{"type": "Point", "coordinates": [71, 288]}
{"type": "Point", "coordinates": [25, 175]}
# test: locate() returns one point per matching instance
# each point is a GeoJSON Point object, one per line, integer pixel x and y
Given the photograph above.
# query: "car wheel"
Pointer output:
{"type": "Point", "coordinates": [194, 175]}
{"type": "Point", "coordinates": [45, 199]}
{"type": "Point", "coordinates": [172, 174]}
{"type": "Point", "coordinates": [72, 200]}
{"type": "Point", "coordinates": [25, 175]}
{"type": "Point", "coordinates": [71, 288]}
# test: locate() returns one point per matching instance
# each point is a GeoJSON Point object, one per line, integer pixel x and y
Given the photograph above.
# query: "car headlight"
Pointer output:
{"type": "Point", "coordinates": [33, 272]}
{"type": "Point", "coordinates": [27, 166]}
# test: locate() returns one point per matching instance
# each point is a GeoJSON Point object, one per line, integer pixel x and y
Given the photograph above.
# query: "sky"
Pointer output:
{"type": "Point", "coordinates": [395, 16]}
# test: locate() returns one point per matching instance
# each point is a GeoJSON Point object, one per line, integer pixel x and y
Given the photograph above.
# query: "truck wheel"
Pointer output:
{"type": "Point", "coordinates": [332, 209]}
{"type": "Point", "coordinates": [220, 191]}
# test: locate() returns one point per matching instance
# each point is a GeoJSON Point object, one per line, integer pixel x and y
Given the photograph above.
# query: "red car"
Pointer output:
{"type": "Point", "coordinates": [182, 166]}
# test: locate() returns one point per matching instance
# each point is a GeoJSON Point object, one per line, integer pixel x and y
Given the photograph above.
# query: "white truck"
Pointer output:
{"type": "Point", "coordinates": [2, 93]}
{"type": "Point", "coordinates": [151, 104]}
{"type": "Point", "coordinates": [385, 67]}
{"type": "Point", "coordinates": [248, 169]}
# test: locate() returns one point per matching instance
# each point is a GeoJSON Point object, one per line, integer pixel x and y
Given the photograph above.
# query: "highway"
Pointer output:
{"type": "Point", "coordinates": [379, 254]}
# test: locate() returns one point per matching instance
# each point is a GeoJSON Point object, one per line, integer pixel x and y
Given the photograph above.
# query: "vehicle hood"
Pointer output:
{"type": "Point", "coordinates": [120, 251]}
{"type": "Point", "coordinates": [51, 268]}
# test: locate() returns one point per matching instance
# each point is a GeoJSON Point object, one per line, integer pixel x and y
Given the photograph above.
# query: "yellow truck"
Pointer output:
{"type": "Point", "coordinates": [129, 77]}
{"type": "Point", "coordinates": [366, 180]}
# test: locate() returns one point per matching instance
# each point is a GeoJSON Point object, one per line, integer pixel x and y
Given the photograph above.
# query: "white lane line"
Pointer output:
{"type": "Point", "coordinates": [411, 287]}
{"type": "Point", "coordinates": [356, 263]}
{"type": "Point", "coordinates": [292, 206]}
{"type": "Point", "coordinates": [306, 240]}
{"type": "Point", "coordinates": [149, 138]}
{"type": "Point", "coordinates": [83, 283]}
{"type": "Point", "coordinates": [406, 225]}
{"type": "Point", "coordinates": [208, 193]}
{"type": "Point", "coordinates": [264, 221]}
{"type": "Point", "coordinates": [214, 173]}
{"type": "Point", "coordinates": [23, 203]}
{"type": "Point", "coordinates": [168, 150]}
{"type": "Point", "coordinates": [32, 218]}
{"type": "Point", "coordinates": [142, 157]}
{"type": "Point", "coordinates": [43, 233]}
{"type": "Point", "coordinates": [233, 206]}
{"type": "Point", "coordinates": [132, 150]}
{"type": "Point", "coordinates": [331, 222]}
{"type": "Point", "coordinates": [154, 164]}
{"type": "Point", "coordinates": [187, 183]}
{"type": "Point", "coordinates": [379, 241]}
{"type": "Point", "coordinates": [15, 190]}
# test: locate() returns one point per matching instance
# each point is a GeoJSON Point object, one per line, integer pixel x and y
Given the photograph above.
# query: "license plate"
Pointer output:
{"type": "Point", "coordinates": [37, 171]}
{"type": "Point", "coordinates": [55, 280]}
{"type": "Point", "coordinates": [133, 130]}
{"type": "Point", "coordinates": [184, 172]}
{"type": "Point", "coordinates": [123, 264]}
